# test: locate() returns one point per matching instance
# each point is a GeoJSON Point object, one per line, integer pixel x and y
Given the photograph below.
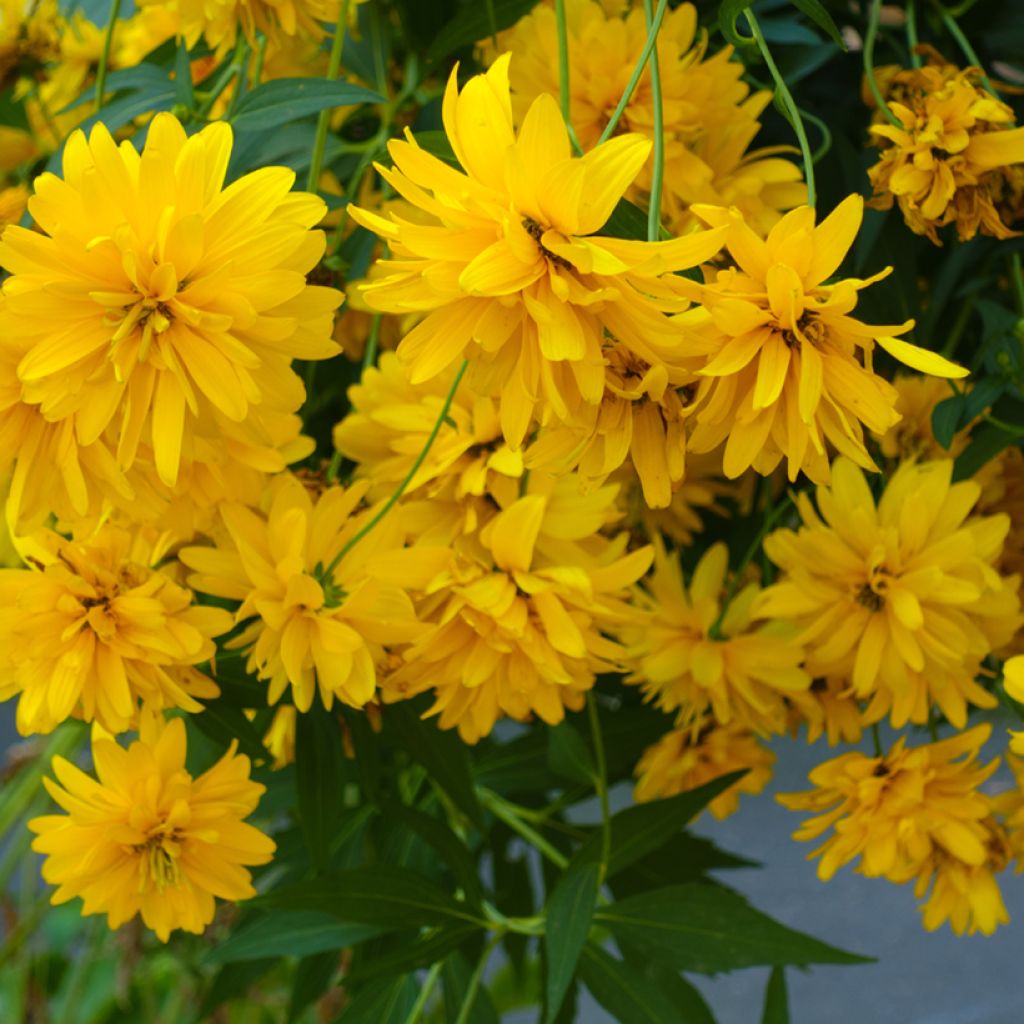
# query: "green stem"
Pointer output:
{"type": "Point", "coordinates": [634, 81]}
{"type": "Point", "coordinates": [81, 965]}
{"type": "Point", "coordinates": [564, 93]}
{"type": "Point", "coordinates": [715, 632]}
{"type": "Point", "coordinates": [261, 55]}
{"type": "Point", "coordinates": [911, 14]}
{"type": "Point", "coordinates": [1017, 281]}
{"type": "Point", "coordinates": [226, 77]}
{"type": "Point", "coordinates": [869, 63]}
{"type": "Point", "coordinates": [413, 470]}
{"type": "Point", "coordinates": [786, 97]}
{"type": "Point", "coordinates": [877, 740]}
{"type": "Point", "coordinates": [503, 810]}
{"type": "Point", "coordinates": [108, 42]}
{"type": "Point", "coordinates": [601, 782]}
{"type": "Point", "coordinates": [965, 45]}
{"type": "Point", "coordinates": [474, 982]}
{"type": "Point", "coordinates": [421, 1000]}
{"type": "Point", "coordinates": [20, 791]}
{"type": "Point", "coordinates": [658, 171]}
{"type": "Point", "coordinates": [324, 120]}
{"type": "Point", "coordinates": [372, 342]}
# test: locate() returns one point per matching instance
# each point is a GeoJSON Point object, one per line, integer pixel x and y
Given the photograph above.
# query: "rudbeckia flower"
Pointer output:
{"type": "Point", "coordinates": [91, 629]}
{"type": "Point", "coordinates": [903, 598]}
{"type": "Point", "coordinates": [509, 273]}
{"type": "Point", "coordinates": [692, 659]}
{"type": "Point", "coordinates": [946, 159]}
{"type": "Point", "coordinates": [789, 370]}
{"type": "Point", "coordinates": [685, 758]}
{"type": "Point", "coordinates": [155, 306]}
{"type": "Point", "coordinates": [307, 628]}
{"type": "Point", "coordinates": [146, 837]}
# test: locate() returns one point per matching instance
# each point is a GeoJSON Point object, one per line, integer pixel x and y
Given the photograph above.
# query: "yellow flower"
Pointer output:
{"type": "Point", "coordinates": [509, 273]}
{"type": "Point", "coordinates": [1013, 681]}
{"type": "Point", "coordinates": [827, 708]}
{"type": "Point", "coordinates": [688, 757]}
{"type": "Point", "coordinates": [91, 629]}
{"type": "Point", "coordinates": [893, 813]}
{"type": "Point", "coordinates": [690, 657]}
{"type": "Point", "coordinates": [946, 159]}
{"type": "Point", "coordinates": [12, 205]}
{"type": "Point", "coordinates": [901, 599]}
{"type": "Point", "coordinates": [146, 837]}
{"type": "Point", "coordinates": [912, 437]}
{"type": "Point", "coordinates": [709, 117]}
{"type": "Point", "coordinates": [1003, 483]}
{"type": "Point", "coordinates": [279, 738]}
{"type": "Point", "coordinates": [789, 370]}
{"type": "Point", "coordinates": [518, 627]}
{"type": "Point", "coordinates": [157, 307]}
{"type": "Point", "coordinates": [309, 630]}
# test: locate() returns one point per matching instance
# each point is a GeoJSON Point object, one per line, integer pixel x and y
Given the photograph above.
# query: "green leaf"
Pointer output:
{"type": "Point", "coordinates": [625, 992]}
{"type": "Point", "coordinates": [776, 999]}
{"type": "Point", "coordinates": [231, 981]}
{"type": "Point", "coordinates": [627, 221]}
{"type": "Point", "coordinates": [436, 143]}
{"type": "Point", "coordinates": [568, 755]}
{"type": "Point", "coordinates": [383, 1002]}
{"type": "Point", "coordinates": [986, 443]}
{"type": "Point", "coordinates": [223, 722]}
{"type": "Point", "coordinates": [443, 754]}
{"type": "Point", "coordinates": [454, 853]}
{"type": "Point", "coordinates": [475, 22]}
{"type": "Point", "coordinates": [288, 933]}
{"type": "Point", "coordinates": [821, 18]}
{"type": "Point", "coordinates": [380, 894]}
{"type": "Point", "coordinates": [455, 976]}
{"type": "Point", "coordinates": [410, 956]}
{"type": "Point", "coordinates": [183, 92]}
{"type": "Point", "coordinates": [313, 976]}
{"type": "Point", "coordinates": [728, 13]}
{"type": "Point", "coordinates": [284, 100]}
{"type": "Point", "coordinates": [708, 928]}
{"type": "Point", "coordinates": [946, 419]}
{"type": "Point", "coordinates": [319, 772]}
{"type": "Point", "coordinates": [568, 916]}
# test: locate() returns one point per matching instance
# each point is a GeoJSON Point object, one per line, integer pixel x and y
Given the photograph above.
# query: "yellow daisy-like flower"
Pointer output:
{"type": "Point", "coordinates": [693, 658]}
{"type": "Point", "coordinates": [147, 838]}
{"type": "Point", "coordinates": [708, 115]}
{"type": "Point", "coordinates": [892, 813]}
{"type": "Point", "coordinates": [903, 598]}
{"type": "Point", "coordinates": [509, 273]}
{"type": "Point", "coordinates": [688, 757]}
{"type": "Point", "coordinates": [91, 629]}
{"type": "Point", "coordinates": [13, 201]}
{"type": "Point", "coordinates": [519, 628]}
{"type": "Point", "coordinates": [912, 437]}
{"type": "Point", "coordinates": [827, 708]}
{"type": "Point", "coordinates": [946, 159]}
{"type": "Point", "coordinates": [1013, 681]}
{"type": "Point", "coordinates": [789, 370]}
{"type": "Point", "coordinates": [156, 306]}
{"type": "Point", "coordinates": [312, 630]}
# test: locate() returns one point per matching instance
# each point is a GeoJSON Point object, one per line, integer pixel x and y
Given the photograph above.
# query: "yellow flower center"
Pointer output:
{"type": "Point", "coordinates": [872, 594]}
{"type": "Point", "coordinates": [158, 862]}
{"type": "Point", "coordinates": [536, 232]}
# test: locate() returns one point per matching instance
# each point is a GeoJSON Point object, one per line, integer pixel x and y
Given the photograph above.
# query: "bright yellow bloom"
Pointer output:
{"type": "Point", "coordinates": [279, 738]}
{"type": "Point", "coordinates": [688, 757]}
{"type": "Point", "coordinates": [690, 657]}
{"type": "Point", "coordinates": [146, 837]}
{"type": "Point", "coordinates": [89, 628]}
{"type": "Point", "coordinates": [827, 708]}
{"type": "Point", "coordinates": [12, 205]}
{"type": "Point", "coordinates": [912, 437]}
{"type": "Point", "coordinates": [509, 273]}
{"type": "Point", "coordinates": [518, 626]}
{"type": "Point", "coordinates": [946, 160]}
{"type": "Point", "coordinates": [1013, 681]}
{"type": "Point", "coordinates": [709, 117]}
{"type": "Point", "coordinates": [892, 813]}
{"type": "Point", "coordinates": [157, 307]}
{"type": "Point", "coordinates": [789, 370]}
{"type": "Point", "coordinates": [1003, 483]}
{"type": "Point", "coordinates": [310, 631]}
{"type": "Point", "coordinates": [902, 599]}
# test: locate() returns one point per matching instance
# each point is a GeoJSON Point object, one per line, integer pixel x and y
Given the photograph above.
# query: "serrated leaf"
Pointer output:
{"type": "Point", "coordinates": [708, 928]}
{"type": "Point", "coordinates": [443, 754]}
{"type": "Point", "coordinates": [776, 999]}
{"type": "Point", "coordinates": [475, 22]}
{"type": "Point", "coordinates": [569, 912]}
{"type": "Point", "coordinates": [284, 100]}
{"type": "Point", "coordinates": [383, 1002]}
{"type": "Point", "coordinates": [624, 992]}
{"type": "Point", "coordinates": [319, 780]}
{"type": "Point", "coordinates": [821, 18]}
{"type": "Point", "coordinates": [568, 755]}
{"type": "Point", "coordinates": [379, 894]}
{"type": "Point", "coordinates": [947, 417]}
{"type": "Point", "coordinates": [289, 933]}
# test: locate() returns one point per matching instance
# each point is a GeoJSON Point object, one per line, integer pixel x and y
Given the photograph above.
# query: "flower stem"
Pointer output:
{"type": "Point", "coordinates": [869, 63]}
{"type": "Point", "coordinates": [474, 982]}
{"type": "Point", "coordinates": [1017, 280]}
{"type": "Point", "coordinates": [564, 92]}
{"type": "Point", "coordinates": [505, 812]}
{"type": "Point", "coordinates": [601, 782]}
{"type": "Point", "coordinates": [911, 15]}
{"type": "Point", "coordinates": [792, 110]}
{"type": "Point", "coordinates": [324, 120]}
{"type": "Point", "coordinates": [658, 173]}
{"type": "Point", "coordinates": [372, 342]}
{"type": "Point", "coordinates": [634, 81]}
{"type": "Point", "coordinates": [965, 45]}
{"type": "Point", "coordinates": [108, 42]}
{"type": "Point", "coordinates": [413, 470]}
{"type": "Point", "coordinates": [427, 988]}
